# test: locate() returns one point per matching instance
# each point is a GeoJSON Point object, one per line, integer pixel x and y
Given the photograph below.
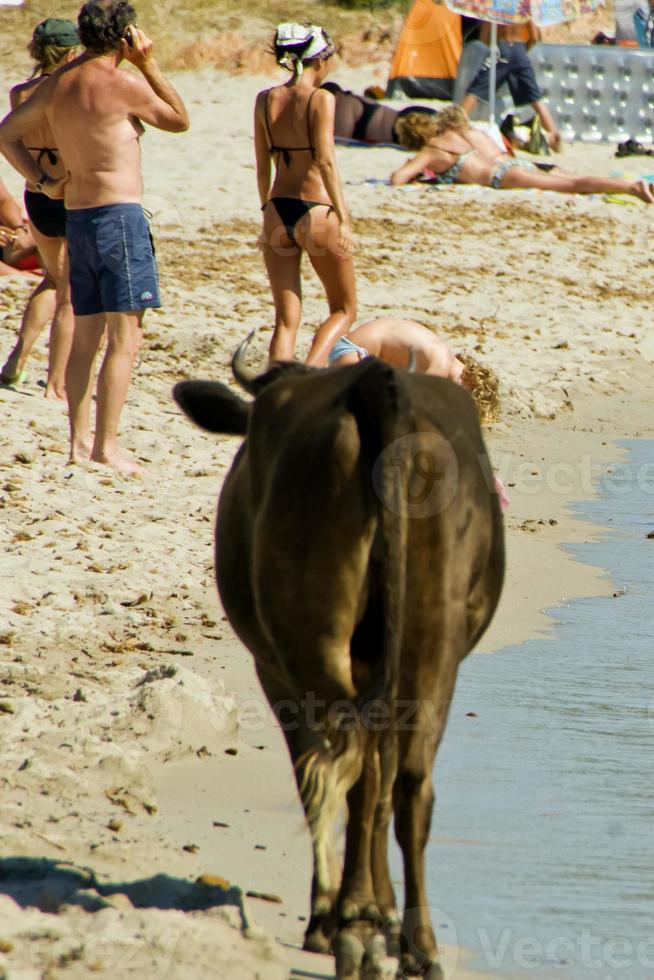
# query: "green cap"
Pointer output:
{"type": "Point", "coordinates": [62, 33]}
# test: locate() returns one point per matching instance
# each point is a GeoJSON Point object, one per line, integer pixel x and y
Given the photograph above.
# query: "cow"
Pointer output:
{"type": "Point", "coordinates": [359, 556]}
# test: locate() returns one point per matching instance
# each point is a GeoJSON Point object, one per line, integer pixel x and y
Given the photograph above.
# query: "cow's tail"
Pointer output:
{"type": "Point", "coordinates": [379, 405]}
{"type": "Point", "coordinates": [383, 414]}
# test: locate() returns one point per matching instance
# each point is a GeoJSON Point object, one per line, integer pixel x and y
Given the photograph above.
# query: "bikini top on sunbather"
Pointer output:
{"type": "Point", "coordinates": [287, 150]}
{"type": "Point", "coordinates": [449, 176]}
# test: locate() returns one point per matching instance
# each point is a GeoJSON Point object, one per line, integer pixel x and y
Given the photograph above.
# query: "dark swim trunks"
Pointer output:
{"type": "Point", "coordinates": [47, 216]}
{"type": "Point", "coordinates": [514, 67]}
{"type": "Point", "coordinates": [112, 264]}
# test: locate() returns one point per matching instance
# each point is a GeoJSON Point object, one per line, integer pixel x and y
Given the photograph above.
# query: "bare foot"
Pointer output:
{"type": "Point", "coordinates": [55, 395]}
{"type": "Point", "coordinates": [80, 451]}
{"type": "Point", "coordinates": [645, 191]}
{"type": "Point", "coordinates": [119, 462]}
{"type": "Point", "coordinates": [555, 141]}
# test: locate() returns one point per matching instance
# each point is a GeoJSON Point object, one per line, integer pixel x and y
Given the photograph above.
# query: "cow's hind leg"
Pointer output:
{"type": "Point", "coordinates": [304, 739]}
{"type": "Point", "coordinates": [413, 801]}
{"type": "Point", "coordinates": [381, 877]}
{"type": "Point", "coordinates": [359, 947]}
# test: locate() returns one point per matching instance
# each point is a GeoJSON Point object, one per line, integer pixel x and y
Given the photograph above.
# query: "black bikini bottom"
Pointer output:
{"type": "Point", "coordinates": [291, 209]}
{"type": "Point", "coordinates": [46, 214]}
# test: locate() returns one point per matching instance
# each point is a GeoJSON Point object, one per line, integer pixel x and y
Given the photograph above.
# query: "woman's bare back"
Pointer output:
{"type": "Point", "coordinates": [289, 118]}
{"type": "Point", "coordinates": [481, 152]}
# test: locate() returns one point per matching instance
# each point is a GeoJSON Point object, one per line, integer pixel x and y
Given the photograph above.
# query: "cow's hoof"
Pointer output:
{"type": "Point", "coordinates": [375, 960]}
{"type": "Point", "coordinates": [315, 939]}
{"type": "Point", "coordinates": [349, 952]}
{"type": "Point", "coordinates": [392, 931]}
{"type": "Point", "coordinates": [350, 911]}
{"type": "Point", "coordinates": [430, 969]}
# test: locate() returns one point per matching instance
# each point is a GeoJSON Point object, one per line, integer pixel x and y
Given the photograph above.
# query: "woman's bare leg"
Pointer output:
{"type": "Point", "coordinates": [282, 257]}
{"type": "Point", "coordinates": [37, 315]}
{"type": "Point", "coordinates": [318, 234]}
{"type": "Point", "coordinates": [569, 184]}
{"type": "Point", "coordinates": [54, 253]}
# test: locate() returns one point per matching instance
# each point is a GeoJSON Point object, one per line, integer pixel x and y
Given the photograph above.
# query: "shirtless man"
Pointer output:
{"type": "Point", "coordinates": [95, 112]}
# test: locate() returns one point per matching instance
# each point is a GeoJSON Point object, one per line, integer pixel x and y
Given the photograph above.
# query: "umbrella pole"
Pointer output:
{"type": "Point", "coordinates": [493, 72]}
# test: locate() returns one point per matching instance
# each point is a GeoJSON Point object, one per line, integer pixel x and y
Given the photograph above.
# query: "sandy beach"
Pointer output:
{"type": "Point", "coordinates": [150, 824]}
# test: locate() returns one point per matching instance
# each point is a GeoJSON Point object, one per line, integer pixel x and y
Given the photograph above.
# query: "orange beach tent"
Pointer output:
{"type": "Point", "coordinates": [427, 54]}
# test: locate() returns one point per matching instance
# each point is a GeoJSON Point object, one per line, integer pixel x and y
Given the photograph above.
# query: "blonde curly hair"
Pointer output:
{"type": "Point", "coordinates": [415, 129]}
{"type": "Point", "coordinates": [483, 385]}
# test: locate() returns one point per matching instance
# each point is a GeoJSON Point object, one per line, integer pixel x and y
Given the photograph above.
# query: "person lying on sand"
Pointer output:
{"type": "Point", "coordinates": [392, 340]}
{"type": "Point", "coordinates": [451, 151]}
{"type": "Point", "coordinates": [366, 120]}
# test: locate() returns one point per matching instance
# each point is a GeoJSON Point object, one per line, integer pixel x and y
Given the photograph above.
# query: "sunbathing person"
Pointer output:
{"type": "Point", "coordinates": [451, 151]}
{"type": "Point", "coordinates": [366, 120]}
{"type": "Point", "coordinates": [392, 340]}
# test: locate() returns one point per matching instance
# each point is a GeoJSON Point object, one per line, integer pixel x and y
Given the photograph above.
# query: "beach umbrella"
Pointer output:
{"type": "Point", "coordinates": [542, 12]}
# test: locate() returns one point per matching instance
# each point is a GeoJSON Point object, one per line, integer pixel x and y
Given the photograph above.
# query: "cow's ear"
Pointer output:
{"type": "Point", "coordinates": [213, 406]}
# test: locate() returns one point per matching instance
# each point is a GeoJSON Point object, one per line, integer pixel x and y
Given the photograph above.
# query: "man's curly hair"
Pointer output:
{"type": "Point", "coordinates": [102, 25]}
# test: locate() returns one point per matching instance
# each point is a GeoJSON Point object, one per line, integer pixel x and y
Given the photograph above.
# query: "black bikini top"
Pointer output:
{"type": "Point", "coordinates": [287, 150]}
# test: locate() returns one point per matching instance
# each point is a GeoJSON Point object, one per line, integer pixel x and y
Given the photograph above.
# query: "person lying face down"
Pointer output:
{"type": "Point", "coordinates": [358, 117]}
{"type": "Point", "coordinates": [392, 340]}
{"type": "Point", "coordinates": [451, 151]}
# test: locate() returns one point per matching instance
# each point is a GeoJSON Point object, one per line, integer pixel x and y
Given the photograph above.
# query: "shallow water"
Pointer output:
{"type": "Point", "coordinates": [541, 859]}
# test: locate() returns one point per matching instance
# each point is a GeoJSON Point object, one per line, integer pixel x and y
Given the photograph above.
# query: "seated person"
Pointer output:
{"type": "Point", "coordinates": [18, 252]}
{"type": "Point", "coordinates": [366, 120]}
{"type": "Point", "coordinates": [451, 151]}
{"type": "Point", "coordinates": [392, 340]}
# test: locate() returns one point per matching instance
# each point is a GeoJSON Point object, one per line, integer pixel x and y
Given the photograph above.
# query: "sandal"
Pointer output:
{"type": "Point", "coordinates": [632, 148]}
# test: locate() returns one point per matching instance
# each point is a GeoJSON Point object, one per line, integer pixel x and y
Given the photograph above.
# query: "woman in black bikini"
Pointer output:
{"type": "Point", "coordinates": [367, 120]}
{"type": "Point", "coordinates": [305, 209]}
{"type": "Point", "coordinates": [54, 43]}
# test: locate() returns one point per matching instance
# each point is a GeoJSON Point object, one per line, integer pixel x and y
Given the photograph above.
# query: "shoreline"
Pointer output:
{"type": "Point", "coordinates": [112, 647]}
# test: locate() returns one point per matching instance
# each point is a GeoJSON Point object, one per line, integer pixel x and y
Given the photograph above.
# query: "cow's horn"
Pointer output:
{"type": "Point", "coordinates": [243, 374]}
{"type": "Point", "coordinates": [411, 366]}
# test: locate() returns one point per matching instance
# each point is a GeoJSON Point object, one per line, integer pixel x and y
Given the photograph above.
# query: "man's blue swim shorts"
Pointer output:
{"type": "Point", "coordinates": [112, 264]}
